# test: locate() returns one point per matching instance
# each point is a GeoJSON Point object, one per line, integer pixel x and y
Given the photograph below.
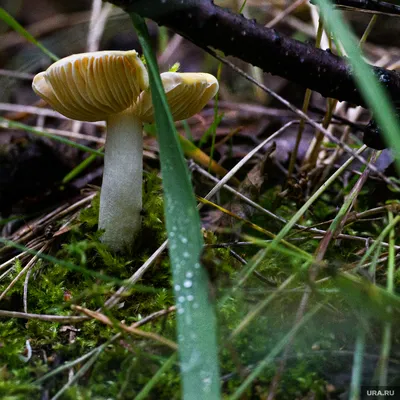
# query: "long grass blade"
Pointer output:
{"type": "Point", "coordinates": [18, 125]}
{"type": "Point", "coordinates": [273, 353]}
{"type": "Point", "coordinates": [144, 393]}
{"type": "Point", "coordinates": [9, 20]}
{"type": "Point", "coordinates": [356, 376]}
{"type": "Point", "coordinates": [373, 92]}
{"type": "Point", "coordinates": [196, 321]}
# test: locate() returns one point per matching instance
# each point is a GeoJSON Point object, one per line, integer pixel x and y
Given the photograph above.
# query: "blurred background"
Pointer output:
{"type": "Point", "coordinates": [67, 27]}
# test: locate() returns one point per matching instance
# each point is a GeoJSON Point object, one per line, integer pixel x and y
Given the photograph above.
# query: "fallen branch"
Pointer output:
{"type": "Point", "coordinates": [207, 25]}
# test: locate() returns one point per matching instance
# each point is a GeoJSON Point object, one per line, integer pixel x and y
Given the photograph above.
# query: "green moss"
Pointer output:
{"type": "Point", "coordinates": [127, 364]}
{"type": "Point", "coordinates": [53, 288]}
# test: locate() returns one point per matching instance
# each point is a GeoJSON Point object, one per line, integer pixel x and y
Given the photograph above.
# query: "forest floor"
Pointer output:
{"type": "Point", "coordinates": [312, 318]}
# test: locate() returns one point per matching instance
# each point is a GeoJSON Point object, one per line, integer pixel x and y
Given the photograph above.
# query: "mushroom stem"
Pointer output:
{"type": "Point", "coordinates": [121, 191]}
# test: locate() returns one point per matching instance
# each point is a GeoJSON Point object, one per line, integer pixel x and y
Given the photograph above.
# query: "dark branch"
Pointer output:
{"type": "Point", "coordinates": [375, 6]}
{"type": "Point", "coordinates": [206, 24]}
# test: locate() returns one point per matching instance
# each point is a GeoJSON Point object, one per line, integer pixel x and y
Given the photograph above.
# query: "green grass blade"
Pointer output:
{"type": "Point", "coordinates": [70, 364]}
{"type": "Point", "coordinates": [374, 93]}
{"type": "Point", "coordinates": [10, 21]}
{"type": "Point", "coordinates": [273, 353]}
{"type": "Point", "coordinates": [145, 392]}
{"type": "Point", "coordinates": [286, 229]}
{"type": "Point", "coordinates": [66, 264]}
{"type": "Point", "coordinates": [377, 242]}
{"type": "Point", "coordinates": [18, 125]}
{"type": "Point", "coordinates": [80, 167]}
{"type": "Point", "coordinates": [196, 321]}
{"type": "Point", "coordinates": [387, 338]}
{"type": "Point", "coordinates": [356, 375]}
{"type": "Point", "coordinates": [81, 372]}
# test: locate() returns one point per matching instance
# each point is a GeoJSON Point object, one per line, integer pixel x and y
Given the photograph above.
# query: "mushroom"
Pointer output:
{"type": "Point", "coordinates": [113, 86]}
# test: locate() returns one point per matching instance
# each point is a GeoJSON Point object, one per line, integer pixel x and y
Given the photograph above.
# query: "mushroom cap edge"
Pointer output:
{"type": "Point", "coordinates": [187, 94]}
{"type": "Point", "coordinates": [91, 86]}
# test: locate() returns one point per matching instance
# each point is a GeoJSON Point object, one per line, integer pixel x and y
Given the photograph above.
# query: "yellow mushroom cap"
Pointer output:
{"type": "Point", "coordinates": [187, 94]}
{"type": "Point", "coordinates": [92, 86]}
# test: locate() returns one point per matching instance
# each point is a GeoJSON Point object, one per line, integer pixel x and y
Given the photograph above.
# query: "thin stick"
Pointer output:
{"type": "Point", "coordinates": [308, 119]}
{"type": "Point", "coordinates": [30, 264]}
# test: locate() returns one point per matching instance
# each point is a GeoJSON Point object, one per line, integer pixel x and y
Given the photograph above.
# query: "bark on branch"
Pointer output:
{"type": "Point", "coordinates": [206, 24]}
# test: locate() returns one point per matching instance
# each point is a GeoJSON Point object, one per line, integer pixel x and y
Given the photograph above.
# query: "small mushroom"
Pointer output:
{"type": "Point", "coordinates": [113, 86]}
